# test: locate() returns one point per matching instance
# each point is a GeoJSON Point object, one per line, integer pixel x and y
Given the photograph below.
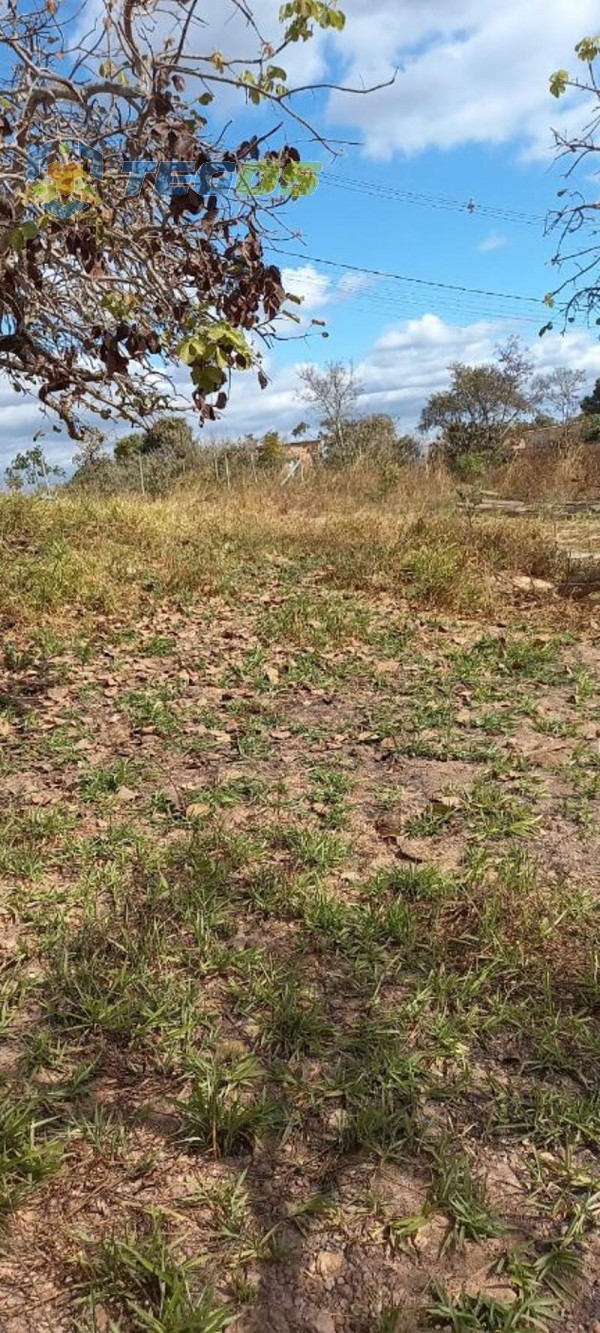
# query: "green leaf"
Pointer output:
{"type": "Point", "coordinates": [189, 350]}
{"type": "Point", "coordinates": [208, 378]}
{"type": "Point", "coordinates": [258, 178]}
{"type": "Point", "coordinates": [212, 351]}
{"type": "Point", "coordinates": [588, 48]}
{"type": "Point", "coordinates": [42, 192]}
{"type": "Point", "coordinates": [559, 82]}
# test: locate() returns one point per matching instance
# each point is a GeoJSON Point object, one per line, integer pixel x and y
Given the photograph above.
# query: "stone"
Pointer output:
{"type": "Point", "coordinates": [338, 1119]}
{"type": "Point", "coordinates": [323, 1323]}
{"type": "Point", "coordinates": [525, 583]}
{"type": "Point", "coordinates": [329, 1263]}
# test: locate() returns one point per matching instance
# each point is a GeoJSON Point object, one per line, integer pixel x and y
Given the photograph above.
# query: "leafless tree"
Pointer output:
{"type": "Point", "coordinates": [561, 390]}
{"type": "Point", "coordinates": [332, 390]}
{"type": "Point", "coordinates": [575, 222]}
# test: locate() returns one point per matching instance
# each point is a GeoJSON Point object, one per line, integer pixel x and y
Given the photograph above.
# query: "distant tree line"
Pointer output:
{"type": "Point", "coordinates": [470, 427]}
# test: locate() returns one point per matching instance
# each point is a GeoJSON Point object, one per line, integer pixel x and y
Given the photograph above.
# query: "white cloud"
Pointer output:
{"type": "Point", "coordinates": [315, 288]}
{"type": "Point", "coordinates": [492, 242]}
{"type": "Point", "coordinates": [319, 289]}
{"type": "Point", "coordinates": [354, 283]}
{"type": "Point", "coordinates": [410, 362]}
{"type": "Point", "coordinates": [468, 72]}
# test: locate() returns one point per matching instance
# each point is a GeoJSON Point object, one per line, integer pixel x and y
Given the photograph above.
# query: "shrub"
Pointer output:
{"type": "Point", "coordinates": [271, 452]}
{"type": "Point", "coordinates": [374, 438]}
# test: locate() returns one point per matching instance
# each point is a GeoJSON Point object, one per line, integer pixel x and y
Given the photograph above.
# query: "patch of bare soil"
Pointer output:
{"type": "Point", "coordinates": [220, 731]}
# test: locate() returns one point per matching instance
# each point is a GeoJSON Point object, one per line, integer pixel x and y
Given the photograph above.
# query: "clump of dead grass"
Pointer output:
{"type": "Point", "coordinates": [552, 473]}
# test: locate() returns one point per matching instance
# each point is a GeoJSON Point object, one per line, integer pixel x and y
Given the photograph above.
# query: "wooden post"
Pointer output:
{"type": "Point", "coordinates": [45, 474]}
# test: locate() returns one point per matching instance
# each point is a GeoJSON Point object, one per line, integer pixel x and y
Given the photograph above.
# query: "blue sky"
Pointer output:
{"type": "Point", "coordinates": [468, 118]}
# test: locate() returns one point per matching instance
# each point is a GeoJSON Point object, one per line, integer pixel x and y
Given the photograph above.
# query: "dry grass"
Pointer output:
{"type": "Point", "coordinates": [103, 555]}
{"type": "Point", "coordinates": [551, 474]}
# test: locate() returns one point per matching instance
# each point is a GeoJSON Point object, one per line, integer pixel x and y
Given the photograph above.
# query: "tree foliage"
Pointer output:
{"type": "Point", "coordinates": [31, 468]}
{"type": "Point", "coordinates": [169, 435]}
{"type": "Point", "coordinates": [166, 435]}
{"type": "Point", "coordinates": [375, 438]}
{"type": "Point", "coordinates": [95, 306]}
{"type": "Point", "coordinates": [271, 452]}
{"type": "Point", "coordinates": [483, 403]}
{"type": "Point", "coordinates": [129, 446]}
{"type": "Point", "coordinates": [590, 405]}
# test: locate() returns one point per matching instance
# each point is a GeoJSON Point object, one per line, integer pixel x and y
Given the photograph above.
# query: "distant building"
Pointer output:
{"type": "Point", "coordinates": [535, 437]}
{"type": "Point", "coordinates": [305, 454]}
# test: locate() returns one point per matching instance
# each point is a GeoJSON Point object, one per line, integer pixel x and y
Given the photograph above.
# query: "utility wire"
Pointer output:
{"type": "Point", "coordinates": [377, 290]}
{"type": "Point", "coordinates": [403, 277]}
{"type": "Point", "coordinates": [443, 306]}
{"type": "Point", "coordinates": [410, 305]}
{"type": "Point", "coordinates": [496, 212]}
{"type": "Point", "coordinates": [456, 317]}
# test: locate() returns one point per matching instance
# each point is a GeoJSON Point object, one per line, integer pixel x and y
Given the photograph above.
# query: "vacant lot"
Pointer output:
{"type": "Point", "coordinates": [299, 960]}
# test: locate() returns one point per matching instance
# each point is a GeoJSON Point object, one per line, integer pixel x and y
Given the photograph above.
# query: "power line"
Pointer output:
{"type": "Point", "coordinates": [410, 305]}
{"type": "Point", "coordinates": [403, 277]}
{"type": "Point", "coordinates": [460, 318]}
{"type": "Point", "coordinates": [409, 302]}
{"type": "Point", "coordinates": [443, 305]}
{"type": "Point", "coordinates": [386, 293]}
{"type": "Point", "coordinates": [495, 212]}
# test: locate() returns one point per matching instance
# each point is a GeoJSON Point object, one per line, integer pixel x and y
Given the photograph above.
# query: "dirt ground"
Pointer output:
{"type": "Point", "coordinates": [299, 896]}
